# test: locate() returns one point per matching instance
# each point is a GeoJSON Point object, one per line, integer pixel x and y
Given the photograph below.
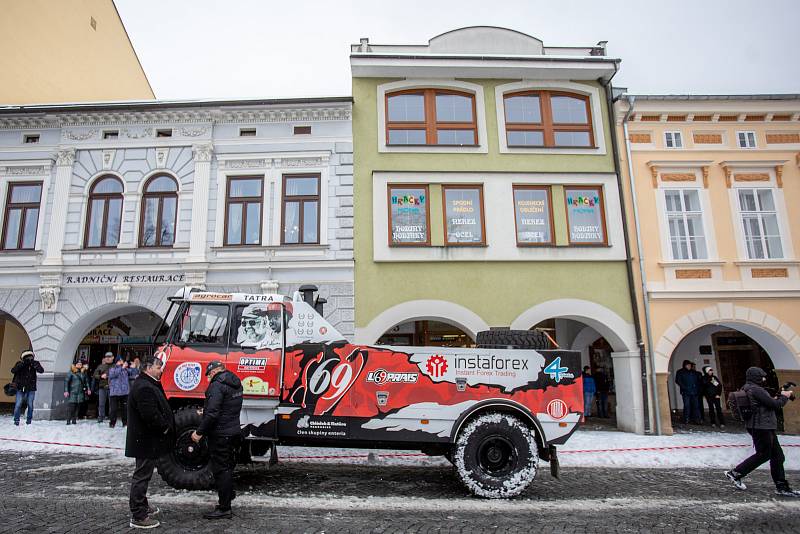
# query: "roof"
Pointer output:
{"type": "Point", "coordinates": [762, 96]}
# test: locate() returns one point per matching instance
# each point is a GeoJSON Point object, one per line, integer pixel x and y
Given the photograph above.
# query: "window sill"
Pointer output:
{"type": "Point", "coordinates": [542, 147]}
{"type": "Point", "coordinates": [752, 263]}
{"type": "Point", "coordinates": [264, 248]}
{"type": "Point", "coordinates": [684, 263]}
{"type": "Point", "coordinates": [20, 252]}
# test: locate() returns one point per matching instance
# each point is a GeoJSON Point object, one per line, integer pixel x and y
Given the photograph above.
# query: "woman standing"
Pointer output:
{"type": "Point", "coordinates": [75, 390]}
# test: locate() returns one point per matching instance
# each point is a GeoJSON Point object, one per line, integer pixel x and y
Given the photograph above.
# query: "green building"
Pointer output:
{"type": "Point", "coordinates": [486, 196]}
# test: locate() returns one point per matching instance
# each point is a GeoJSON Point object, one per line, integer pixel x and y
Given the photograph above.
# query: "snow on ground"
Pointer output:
{"type": "Point", "coordinates": [585, 448]}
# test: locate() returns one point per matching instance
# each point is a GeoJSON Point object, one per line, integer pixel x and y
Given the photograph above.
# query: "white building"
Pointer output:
{"type": "Point", "coordinates": [107, 209]}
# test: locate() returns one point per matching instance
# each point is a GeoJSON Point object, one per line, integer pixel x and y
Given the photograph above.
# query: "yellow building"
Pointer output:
{"type": "Point", "coordinates": [716, 185]}
{"type": "Point", "coordinates": [75, 51]}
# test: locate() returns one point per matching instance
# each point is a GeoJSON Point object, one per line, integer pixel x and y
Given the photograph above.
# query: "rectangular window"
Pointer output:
{"type": "Point", "coordinates": [247, 132]}
{"type": "Point", "coordinates": [685, 221]}
{"type": "Point", "coordinates": [408, 215]}
{"type": "Point", "coordinates": [533, 215]}
{"type": "Point", "coordinates": [586, 215]}
{"type": "Point", "coordinates": [243, 211]}
{"type": "Point", "coordinates": [673, 140]}
{"type": "Point", "coordinates": [111, 134]}
{"type": "Point", "coordinates": [166, 132]}
{"type": "Point", "coordinates": [22, 216]}
{"type": "Point", "coordinates": [30, 139]}
{"type": "Point", "coordinates": [548, 119]}
{"type": "Point", "coordinates": [746, 139]}
{"type": "Point", "coordinates": [204, 324]}
{"type": "Point", "coordinates": [463, 215]}
{"type": "Point", "coordinates": [762, 235]}
{"type": "Point", "coordinates": [302, 130]}
{"type": "Point", "coordinates": [431, 117]}
{"type": "Point", "coordinates": [301, 200]}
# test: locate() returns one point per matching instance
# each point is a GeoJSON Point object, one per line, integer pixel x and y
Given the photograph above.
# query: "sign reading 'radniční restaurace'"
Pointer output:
{"type": "Point", "coordinates": [532, 212]}
{"type": "Point", "coordinates": [408, 215]}
{"type": "Point", "coordinates": [463, 212]}
{"type": "Point", "coordinates": [585, 215]}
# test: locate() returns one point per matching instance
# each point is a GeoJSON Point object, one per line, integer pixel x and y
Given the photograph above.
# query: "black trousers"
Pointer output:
{"type": "Point", "coordinates": [139, 482]}
{"type": "Point", "coordinates": [73, 411]}
{"type": "Point", "coordinates": [715, 406]}
{"type": "Point", "coordinates": [117, 405]}
{"type": "Point", "coordinates": [222, 450]}
{"type": "Point", "coordinates": [767, 449]}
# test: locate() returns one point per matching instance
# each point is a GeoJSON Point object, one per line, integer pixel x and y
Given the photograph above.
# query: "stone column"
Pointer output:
{"type": "Point", "coordinates": [663, 403]}
{"type": "Point", "coordinates": [791, 412]}
{"type": "Point", "coordinates": [202, 180]}
{"type": "Point", "coordinates": [65, 159]}
{"type": "Point", "coordinates": [628, 386]}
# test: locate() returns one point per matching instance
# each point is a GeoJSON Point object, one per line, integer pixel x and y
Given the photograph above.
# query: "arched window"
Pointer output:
{"type": "Point", "coordinates": [431, 117]}
{"type": "Point", "coordinates": [105, 213]}
{"type": "Point", "coordinates": [159, 212]}
{"type": "Point", "coordinates": [548, 119]}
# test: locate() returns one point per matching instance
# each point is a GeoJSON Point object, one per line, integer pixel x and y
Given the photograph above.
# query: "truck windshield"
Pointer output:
{"type": "Point", "coordinates": [205, 324]}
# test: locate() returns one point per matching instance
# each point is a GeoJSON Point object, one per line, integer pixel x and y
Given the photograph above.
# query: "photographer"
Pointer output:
{"type": "Point", "coordinates": [761, 425]}
{"type": "Point", "coordinates": [24, 372]}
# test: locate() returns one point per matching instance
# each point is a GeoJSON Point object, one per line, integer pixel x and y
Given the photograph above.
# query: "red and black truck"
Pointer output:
{"type": "Point", "coordinates": [493, 411]}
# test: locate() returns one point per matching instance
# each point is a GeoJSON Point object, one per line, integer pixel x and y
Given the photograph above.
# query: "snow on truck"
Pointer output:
{"type": "Point", "coordinates": [492, 411]}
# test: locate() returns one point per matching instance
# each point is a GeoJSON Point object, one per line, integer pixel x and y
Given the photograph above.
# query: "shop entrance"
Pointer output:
{"type": "Point", "coordinates": [128, 336]}
{"type": "Point", "coordinates": [426, 334]}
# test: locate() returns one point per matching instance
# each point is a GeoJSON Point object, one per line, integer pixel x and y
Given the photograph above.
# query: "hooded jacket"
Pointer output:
{"type": "Point", "coordinates": [688, 380]}
{"type": "Point", "coordinates": [118, 384]}
{"type": "Point", "coordinates": [223, 406]}
{"type": "Point", "coordinates": [765, 407]}
{"type": "Point", "coordinates": [24, 372]}
{"type": "Point", "coordinates": [712, 387]}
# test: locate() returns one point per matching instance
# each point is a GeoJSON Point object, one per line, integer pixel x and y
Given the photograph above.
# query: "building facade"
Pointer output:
{"type": "Point", "coordinates": [715, 182]}
{"type": "Point", "coordinates": [486, 196]}
{"type": "Point", "coordinates": [111, 208]}
{"type": "Point", "coordinates": [67, 52]}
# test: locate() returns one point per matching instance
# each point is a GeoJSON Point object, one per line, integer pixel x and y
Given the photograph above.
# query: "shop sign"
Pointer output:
{"type": "Point", "coordinates": [409, 215]}
{"type": "Point", "coordinates": [111, 279]}
{"type": "Point", "coordinates": [463, 215]}
{"type": "Point", "coordinates": [585, 215]}
{"type": "Point", "coordinates": [532, 212]}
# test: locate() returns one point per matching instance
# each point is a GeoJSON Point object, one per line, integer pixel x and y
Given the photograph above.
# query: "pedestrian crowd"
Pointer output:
{"type": "Point", "coordinates": [696, 387]}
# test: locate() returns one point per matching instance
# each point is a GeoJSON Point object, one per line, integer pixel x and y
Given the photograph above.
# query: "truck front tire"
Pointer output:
{"type": "Point", "coordinates": [496, 455]}
{"type": "Point", "coordinates": [186, 466]}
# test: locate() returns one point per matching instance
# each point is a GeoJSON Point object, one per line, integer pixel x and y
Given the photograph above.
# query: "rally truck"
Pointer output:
{"type": "Point", "coordinates": [494, 412]}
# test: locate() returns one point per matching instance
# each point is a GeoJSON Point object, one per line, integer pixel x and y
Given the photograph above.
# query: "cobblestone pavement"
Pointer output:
{"type": "Point", "coordinates": [84, 494]}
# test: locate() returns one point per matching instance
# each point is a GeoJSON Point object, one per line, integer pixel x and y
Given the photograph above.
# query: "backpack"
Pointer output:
{"type": "Point", "coordinates": [740, 405]}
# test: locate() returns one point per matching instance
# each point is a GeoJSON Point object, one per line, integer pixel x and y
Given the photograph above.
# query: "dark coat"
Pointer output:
{"type": "Point", "coordinates": [222, 407]}
{"type": "Point", "coordinates": [712, 387]}
{"type": "Point", "coordinates": [688, 381]}
{"type": "Point", "coordinates": [765, 407]}
{"type": "Point", "coordinates": [75, 385]}
{"type": "Point", "coordinates": [99, 381]}
{"type": "Point", "coordinates": [151, 424]}
{"type": "Point", "coordinates": [24, 372]}
{"type": "Point", "coordinates": [601, 381]}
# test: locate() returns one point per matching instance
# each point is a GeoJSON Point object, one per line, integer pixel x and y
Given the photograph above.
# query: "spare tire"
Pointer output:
{"type": "Point", "coordinates": [186, 466]}
{"type": "Point", "coordinates": [512, 339]}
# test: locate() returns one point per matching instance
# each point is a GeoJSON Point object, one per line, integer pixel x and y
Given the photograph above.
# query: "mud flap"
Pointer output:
{"type": "Point", "coordinates": [554, 465]}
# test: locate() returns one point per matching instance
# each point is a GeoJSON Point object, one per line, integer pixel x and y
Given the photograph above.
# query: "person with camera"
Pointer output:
{"type": "Point", "coordinates": [762, 424]}
{"type": "Point", "coordinates": [118, 387]}
{"type": "Point", "coordinates": [712, 392]}
{"type": "Point", "coordinates": [24, 373]}
{"type": "Point", "coordinates": [222, 426]}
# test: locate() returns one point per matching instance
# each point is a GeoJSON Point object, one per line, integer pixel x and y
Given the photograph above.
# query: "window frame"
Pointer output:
{"type": "Point", "coordinates": [448, 243]}
{"type": "Point", "coordinates": [673, 133]}
{"type": "Point", "coordinates": [547, 126]}
{"type": "Point", "coordinates": [183, 313]}
{"type": "Point", "coordinates": [161, 196]}
{"type": "Point", "coordinates": [244, 201]}
{"type": "Point", "coordinates": [106, 198]}
{"type": "Point", "coordinates": [426, 187]}
{"type": "Point", "coordinates": [25, 207]}
{"type": "Point", "coordinates": [549, 190]}
{"type": "Point", "coordinates": [746, 133]}
{"type": "Point", "coordinates": [762, 228]}
{"type": "Point", "coordinates": [683, 219]}
{"type": "Point", "coordinates": [599, 188]}
{"type": "Point", "coordinates": [302, 199]}
{"type": "Point", "coordinates": [430, 125]}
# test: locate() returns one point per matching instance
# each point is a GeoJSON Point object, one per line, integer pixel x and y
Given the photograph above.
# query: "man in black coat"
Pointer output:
{"type": "Point", "coordinates": [761, 425]}
{"type": "Point", "coordinates": [24, 372]}
{"type": "Point", "coordinates": [222, 426]}
{"type": "Point", "coordinates": [151, 433]}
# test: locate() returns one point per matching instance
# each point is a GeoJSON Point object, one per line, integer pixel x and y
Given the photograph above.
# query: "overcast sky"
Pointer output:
{"type": "Point", "coordinates": [261, 48]}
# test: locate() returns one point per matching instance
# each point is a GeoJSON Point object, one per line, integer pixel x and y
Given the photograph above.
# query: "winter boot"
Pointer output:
{"type": "Point", "coordinates": [784, 490]}
{"type": "Point", "coordinates": [147, 522]}
{"type": "Point", "coordinates": [736, 478]}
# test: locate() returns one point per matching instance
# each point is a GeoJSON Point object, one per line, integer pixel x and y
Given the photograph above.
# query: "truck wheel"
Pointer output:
{"type": "Point", "coordinates": [513, 339]}
{"type": "Point", "coordinates": [186, 466]}
{"type": "Point", "coordinates": [496, 456]}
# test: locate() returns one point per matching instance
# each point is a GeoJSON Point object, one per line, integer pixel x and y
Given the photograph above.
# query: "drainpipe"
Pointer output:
{"type": "Point", "coordinates": [628, 259]}
{"type": "Point", "coordinates": [648, 328]}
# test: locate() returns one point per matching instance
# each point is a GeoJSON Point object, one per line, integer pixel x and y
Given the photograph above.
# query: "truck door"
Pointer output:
{"type": "Point", "coordinates": [200, 336]}
{"type": "Point", "coordinates": [256, 347]}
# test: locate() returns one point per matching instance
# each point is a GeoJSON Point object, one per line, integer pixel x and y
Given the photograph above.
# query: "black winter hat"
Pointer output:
{"type": "Point", "coordinates": [214, 364]}
{"type": "Point", "coordinates": [686, 362]}
{"type": "Point", "coordinates": [755, 375]}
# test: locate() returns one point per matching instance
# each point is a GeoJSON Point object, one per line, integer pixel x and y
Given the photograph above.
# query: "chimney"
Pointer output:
{"type": "Point", "coordinates": [364, 45]}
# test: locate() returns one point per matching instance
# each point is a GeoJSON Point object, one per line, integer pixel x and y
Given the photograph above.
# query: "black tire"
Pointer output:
{"type": "Point", "coordinates": [512, 339]}
{"type": "Point", "coordinates": [496, 456]}
{"type": "Point", "coordinates": [186, 466]}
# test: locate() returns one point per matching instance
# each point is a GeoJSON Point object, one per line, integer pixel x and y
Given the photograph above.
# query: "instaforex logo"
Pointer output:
{"type": "Point", "coordinates": [490, 363]}
{"type": "Point", "coordinates": [436, 365]}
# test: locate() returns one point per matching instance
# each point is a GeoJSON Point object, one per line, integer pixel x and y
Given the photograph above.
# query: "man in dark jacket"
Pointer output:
{"type": "Point", "coordinates": [221, 424]}
{"type": "Point", "coordinates": [101, 383]}
{"type": "Point", "coordinates": [688, 381]}
{"type": "Point", "coordinates": [601, 383]}
{"type": "Point", "coordinates": [151, 433]}
{"type": "Point", "coordinates": [24, 372]}
{"type": "Point", "coordinates": [712, 392]}
{"type": "Point", "coordinates": [762, 425]}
